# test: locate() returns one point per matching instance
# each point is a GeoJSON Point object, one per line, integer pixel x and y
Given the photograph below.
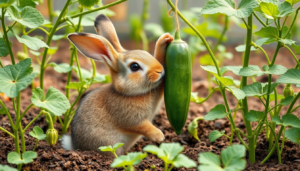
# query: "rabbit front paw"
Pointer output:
{"type": "Point", "coordinates": [156, 136]}
{"type": "Point", "coordinates": [166, 39]}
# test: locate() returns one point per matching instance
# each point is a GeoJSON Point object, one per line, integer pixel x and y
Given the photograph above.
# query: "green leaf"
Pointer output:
{"type": "Point", "coordinates": [75, 85]}
{"type": "Point", "coordinates": [58, 37]}
{"type": "Point", "coordinates": [227, 7]}
{"type": "Point", "coordinates": [15, 78]}
{"type": "Point", "coordinates": [195, 98]}
{"type": "Point", "coordinates": [285, 9]}
{"type": "Point", "coordinates": [15, 158]}
{"type": "Point", "coordinates": [29, 16]}
{"type": "Point", "coordinates": [61, 68]}
{"type": "Point", "coordinates": [155, 29]}
{"type": "Point", "coordinates": [217, 112]}
{"type": "Point", "coordinates": [24, 3]}
{"type": "Point", "coordinates": [286, 101]}
{"type": "Point", "coordinates": [213, 70]}
{"type": "Point", "coordinates": [296, 48]}
{"type": "Point", "coordinates": [88, 3]}
{"type": "Point", "coordinates": [268, 32]}
{"type": "Point", "coordinates": [129, 160]}
{"type": "Point", "coordinates": [255, 116]}
{"type": "Point", "coordinates": [106, 148]}
{"type": "Point", "coordinates": [293, 134]}
{"type": "Point", "coordinates": [31, 42]}
{"type": "Point", "coordinates": [226, 80]}
{"type": "Point", "coordinates": [7, 168]}
{"type": "Point", "coordinates": [258, 89]}
{"type": "Point", "coordinates": [234, 69]}
{"type": "Point", "coordinates": [2, 111]}
{"type": "Point", "coordinates": [118, 145]}
{"type": "Point", "coordinates": [287, 41]}
{"type": "Point", "coordinates": [258, 42]}
{"type": "Point", "coordinates": [270, 10]}
{"type": "Point", "coordinates": [272, 97]}
{"type": "Point", "coordinates": [287, 120]}
{"type": "Point", "coordinates": [292, 2]}
{"type": "Point", "coordinates": [6, 3]}
{"type": "Point", "coordinates": [37, 133]}
{"type": "Point", "coordinates": [238, 93]}
{"type": "Point", "coordinates": [213, 135]}
{"type": "Point", "coordinates": [183, 161]}
{"type": "Point", "coordinates": [53, 96]}
{"type": "Point", "coordinates": [209, 161]}
{"type": "Point", "coordinates": [192, 129]}
{"type": "Point", "coordinates": [292, 76]}
{"type": "Point", "coordinates": [232, 157]}
{"type": "Point", "coordinates": [4, 51]}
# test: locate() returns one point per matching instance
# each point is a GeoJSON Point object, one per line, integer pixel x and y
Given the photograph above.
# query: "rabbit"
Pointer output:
{"type": "Point", "coordinates": [122, 111]}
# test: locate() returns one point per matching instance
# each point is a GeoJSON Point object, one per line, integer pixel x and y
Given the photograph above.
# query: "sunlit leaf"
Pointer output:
{"type": "Point", "coordinates": [29, 16]}
{"type": "Point", "coordinates": [27, 157]}
{"type": "Point", "coordinates": [37, 133]}
{"type": "Point", "coordinates": [255, 116]}
{"type": "Point", "coordinates": [293, 134]}
{"type": "Point", "coordinates": [214, 135]}
{"type": "Point", "coordinates": [218, 112]}
{"type": "Point", "coordinates": [287, 120]}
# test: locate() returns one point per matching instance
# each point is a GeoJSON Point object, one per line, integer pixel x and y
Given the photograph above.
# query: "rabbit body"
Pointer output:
{"type": "Point", "coordinates": [122, 111]}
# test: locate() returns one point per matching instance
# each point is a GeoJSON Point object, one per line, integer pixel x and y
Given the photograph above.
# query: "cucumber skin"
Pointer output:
{"type": "Point", "coordinates": [178, 80]}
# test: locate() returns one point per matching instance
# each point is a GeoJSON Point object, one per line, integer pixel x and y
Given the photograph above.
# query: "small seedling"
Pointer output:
{"type": "Point", "coordinates": [38, 134]}
{"type": "Point", "coordinates": [129, 160]}
{"type": "Point", "coordinates": [170, 154]}
{"type": "Point", "coordinates": [111, 149]}
{"type": "Point", "coordinates": [15, 158]}
{"type": "Point", "coordinates": [192, 128]}
{"type": "Point", "coordinates": [231, 157]}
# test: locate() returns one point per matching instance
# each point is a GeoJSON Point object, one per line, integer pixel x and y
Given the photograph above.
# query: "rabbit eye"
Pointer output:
{"type": "Point", "coordinates": [134, 67]}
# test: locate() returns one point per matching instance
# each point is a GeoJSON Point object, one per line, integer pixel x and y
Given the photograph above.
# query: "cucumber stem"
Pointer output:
{"type": "Point", "coordinates": [177, 35]}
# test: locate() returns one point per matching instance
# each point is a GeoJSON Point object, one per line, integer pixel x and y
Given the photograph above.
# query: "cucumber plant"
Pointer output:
{"type": "Point", "coordinates": [20, 16]}
{"type": "Point", "coordinates": [278, 32]}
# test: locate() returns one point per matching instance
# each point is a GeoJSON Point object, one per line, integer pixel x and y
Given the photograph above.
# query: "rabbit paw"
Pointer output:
{"type": "Point", "coordinates": [156, 136]}
{"type": "Point", "coordinates": [165, 39]}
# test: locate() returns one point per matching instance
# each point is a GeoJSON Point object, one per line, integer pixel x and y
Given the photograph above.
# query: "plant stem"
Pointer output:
{"type": "Point", "coordinates": [8, 114]}
{"type": "Point", "coordinates": [1, 63]}
{"type": "Point", "coordinates": [257, 17]}
{"type": "Point", "coordinates": [50, 9]}
{"type": "Point", "coordinates": [19, 126]}
{"type": "Point", "coordinates": [260, 48]}
{"type": "Point", "coordinates": [24, 113]}
{"type": "Point", "coordinates": [295, 17]}
{"type": "Point", "coordinates": [294, 56]}
{"type": "Point", "coordinates": [293, 103]}
{"type": "Point", "coordinates": [222, 34]}
{"type": "Point", "coordinates": [36, 142]}
{"type": "Point", "coordinates": [210, 94]}
{"type": "Point", "coordinates": [6, 131]}
{"type": "Point", "coordinates": [6, 40]}
{"type": "Point", "coordinates": [32, 121]}
{"type": "Point", "coordinates": [70, 73]}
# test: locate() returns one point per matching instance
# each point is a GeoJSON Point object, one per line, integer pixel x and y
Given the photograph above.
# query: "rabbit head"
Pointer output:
{"type": "Point", "coordinates": [133, 72]}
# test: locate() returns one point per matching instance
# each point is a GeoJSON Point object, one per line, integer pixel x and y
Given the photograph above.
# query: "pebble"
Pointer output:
{"type": "Point", "coordinates": [67, 164]}
{"type": "Point", "coordinates": [46, 156]}
{"type": "Point", "coordinates": [219, 124]}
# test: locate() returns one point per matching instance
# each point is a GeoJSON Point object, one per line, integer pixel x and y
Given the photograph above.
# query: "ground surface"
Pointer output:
{"type": "Point", "coordinates": [56, 158]}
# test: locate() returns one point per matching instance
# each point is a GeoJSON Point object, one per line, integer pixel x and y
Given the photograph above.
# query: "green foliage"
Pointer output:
{"type": "Point", "coordinates": [31, 42]}
{"type": "Point", "coordinates": [287, 120]}
{"type": "Point", "coordinates": [130, 159]}
{"type": "Point", "coordinates": [170, 154]}
{"type": "Point", "coordinates": [286, 101]}
{"type": "Point", "coordinates": [88, 3]}
{"type": "Point", "coordinates": [3, 48]}
{"type": "Point", "coordinates": [227, 7]}
{"type": "Point", "coordinates": [15, 78]}
{"type": "Point", "coordinates": [255, 116]}
{"type": "Point", "coordinates": [50, 101]}
{"type": "Point", "coordinates": [258, 42]}
{"type": "Point", "coordinates": [15, 158]}
{"type": "Point", "coordinates": [7, 168]}
{"type": "Point", "coordinates": [232, 159]}
{"type": "Point", "coordinates": [255, 70]}
{"type": "Point", "coordinates": [292, 76]}
{"type": "Point", "coordinates": [111, 149]}
{"type": "Point", "coordinates": [258, 89]}
{"type": "Point", "coordinates": [6, 3]}
{"type": "Point", "coordinates": [75, 85]}
{"type": "Point", "coordinates": [214, 135]}
{"type": "Point", "coordinates": [218, 112]}
{"type": "Point", "coordinates": [238, 93]}
{"type": "Point", "coordinates": [155, 29]}
{"type": "Point", "coordinates": [136, 27]}
{"type": "Point", "coordinates": [195, 98]}
{"type": "Point", "coordinates": [61, 68]}
{"type": "Point", "coordinates": [293, 134]}
{"type": "Point", "coordinates": [292, 2]}
{"type": "Point", "coordinates": [37, 133]}
{"type": "Point", "coordinates": [192, 128]}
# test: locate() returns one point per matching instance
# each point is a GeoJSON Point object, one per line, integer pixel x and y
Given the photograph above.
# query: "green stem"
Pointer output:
{"type": "Point", "coordinates": [32, 121]}
{"type": "Point", "coordinates": [6, 40]}
{"type": "Point", "coordinates": [24, 113]}
{"type": "Point", "coordinates": [78, 66]}
{"type": "Point", "coordinates": [257, 17]}
{"type": "Point", "coordinates": [7, 132]}
{"type": "Point", "coordinates": [1, 63]}
{"type": "Point", "coordinates": [290, 28]}
{"type": "Point", "coordinates": [210, 94]}
{"type": "Point", "coordinates": [222, 34]}
{"type": "Point", "coordinates": [50, 9]}
{"type": "Point", "coordinates": [36, 144]}
{"type": "Point", "coordinates": [260, 48]}
{"type": "Point", "coordinates": [293, 103]}
{"type": "Point", "coordinates": [294, 56]}
{"type": "Point", "coordinates": [19, 126]}
{"type": "Point", "coordinates": [62, 14]}
{"type": "Point", "coordinates": [91, 11]}
{"type": "Point", "coordinates": [8, 114]}
{"type": "Point", "coordinates": [295, 109]}
{"type": "Point", "coordinates": [51, 126]}
{"type": "Point", "coordinates": [144, 40]}
{"type": "Point", "coordinates": [70, 72]}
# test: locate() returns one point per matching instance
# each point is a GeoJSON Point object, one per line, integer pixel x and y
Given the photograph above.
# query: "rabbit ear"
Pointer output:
{"type": "Point", "coordinates": [105, 28]}
{"type": "Point", "coordinates": [95, 47]}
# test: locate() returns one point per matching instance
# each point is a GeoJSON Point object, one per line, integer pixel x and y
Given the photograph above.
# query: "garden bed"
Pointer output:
{"type": "Point", "coordinates": [56, 158]}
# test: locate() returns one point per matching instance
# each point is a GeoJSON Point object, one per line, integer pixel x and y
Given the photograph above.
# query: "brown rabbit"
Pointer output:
{"type": "Point", "coordinates": [122, 111]}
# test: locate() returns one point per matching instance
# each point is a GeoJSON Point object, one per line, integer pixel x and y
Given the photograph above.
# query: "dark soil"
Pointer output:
{"type": "Point", "coordinates": [56, 158]}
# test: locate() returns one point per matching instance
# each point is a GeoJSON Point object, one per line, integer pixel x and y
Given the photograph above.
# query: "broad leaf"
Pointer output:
{"type": "Point", "coordinates": [293, 134]}
{"type": "Point", "coordinates": [238, 93]}
{"type": "Point", "coordinates": [287, 120]}
{"type": "Point", "coordinates": [285, 9]}
{"type": "Point", "coordinates": [213, 70]}
{"type": "Point", "coordinates": [195, 98]}
{"type": "Point", "coordinates": [209, 161]}
{"type": "Point", "coordinates": [287, 41]}
{"type": "Point", "coordinates": [270, 10]}
{"type": "Point", "coordinates": [6, 3]}
{"type": "Point", "coordinates": [24, 3]}
{"type": "Point", "coordinates": [155, 29]}
{"type": "Point", "coordinates": [15, 158]}
{"type": "Point", "coordinates": [2, 111]}
{"type": "Point", "coordinates": [232, 157]}
{"type": "Point", "coordinates": [3, 48]}
{"type": "Point", "coordinates": [225, 80]}
{"type": "Point", "coordinates": [255, 116]}
{"type": "Point", "coordinates": [37, 133]}
{"type": "Point", "coordinates": [61, 68]}
{"type": "Point", "coordinates": [213, 135]}
{"type": "Point", "coordinates": [88, 3]}
{"type": "Point", "coordinates": [29, 16]}
{"type": "Point", "coordinates": [227, 7]}
{"type": "Point", "coordinates": [292, 2]}
{"type": "Point", "coordinates": [292, 76]}
{"type": "Point", "coordinates": [15, 78]}
{"type": "Point", "coordinates": [7, 168]}
{"type": "Point", "coordinates": [53, 96]}
{"type": "Point", "coordinates": [106, 148]}
{"type": "Point", "coordinates": [258, 89]}
{"type": "Point", "coordinates": [296, 48]}
{"type": "Point", "coordinates": [268, 32]}
{"type": "Point", "coordinates": [31, 42]}
{"type": "Point", "coordinates": [218, 112]}
{"type": "Point", "coordinates": [286, 101]}
{"type": "Point", "coordinates": [234, 69]}
{"type": "Point", "coordinates": [118, 145]}
{"type": "Point", "coordinates": [183, 161]}
{"type": "Point", "coordinates": [172, 150]}
{"type": "Point", "coordinates": [258, 42]}
{"type": "Point", "coordinates": [75, 85]}
{"type": "Point", "coordinates": [129, 160]}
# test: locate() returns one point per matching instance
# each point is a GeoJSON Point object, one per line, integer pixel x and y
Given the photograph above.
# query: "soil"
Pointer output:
{"type": "Point", "coordinates": [56, 158]}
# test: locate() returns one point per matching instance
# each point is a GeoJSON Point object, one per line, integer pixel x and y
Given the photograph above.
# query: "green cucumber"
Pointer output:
{"type": "Point", "coordinates": [178, 79]}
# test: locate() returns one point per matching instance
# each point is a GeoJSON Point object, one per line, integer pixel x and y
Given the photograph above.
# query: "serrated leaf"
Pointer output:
{"type": "Point", "coordinates": [29, 16]}
{"type": "Point", "coordinates": [172, 150]}
{"type": "Point", "coordinates": [214, 135]}
{"type": "Point", "coordinates": [61, 68]}
{"type": "Point", "coordinates": [293, 134]}
{"type": "Point", "coordinates": [238, 93]}
{"type": "Point", "coordinates": [53, 96]}
{"type": "Point", "coordinates": [255, 116]}
{"type": "Point", "coordinates": [287, 120]}
{"type": "Point", "coordinates": [183, 161]}
{"type": "Point", "coordinates": [15, 78]}
{"type": "Point", "coordinates": [258, 89]}
{"type": "Point", "coordinates": [232, 157]}
{"type": "Point", "coordinates": [292, 2]}
{"type": "Point", "coordinates": [129, 160]}
{"type": "Point", "coordinates": [37, 133]}
{"type": "Point", "coordinates": [31, 42]}
{"type": "Point", "coordinates": [292, 76]}
{"type": "Point", "coordinates": [4, 51]}
{"type": "Point", "coordinates": [6, 3]}
{"type": "Point", "coordinates": [209, 161]}
{"type": "Point", "coordinates": [7, 168]}
{"type": "Point", "coordinates": [286, 101]}
{"type": "Point", "coordinates": [245, 8]}
{"type": "Point", "coordinates": [268, 32]}
{"type": "Point", "coordinates": [15, 158]}
{"type": "Point", "coordinates": [296, 48]}
{"type": "Point", "coordinates": [218, 112]}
